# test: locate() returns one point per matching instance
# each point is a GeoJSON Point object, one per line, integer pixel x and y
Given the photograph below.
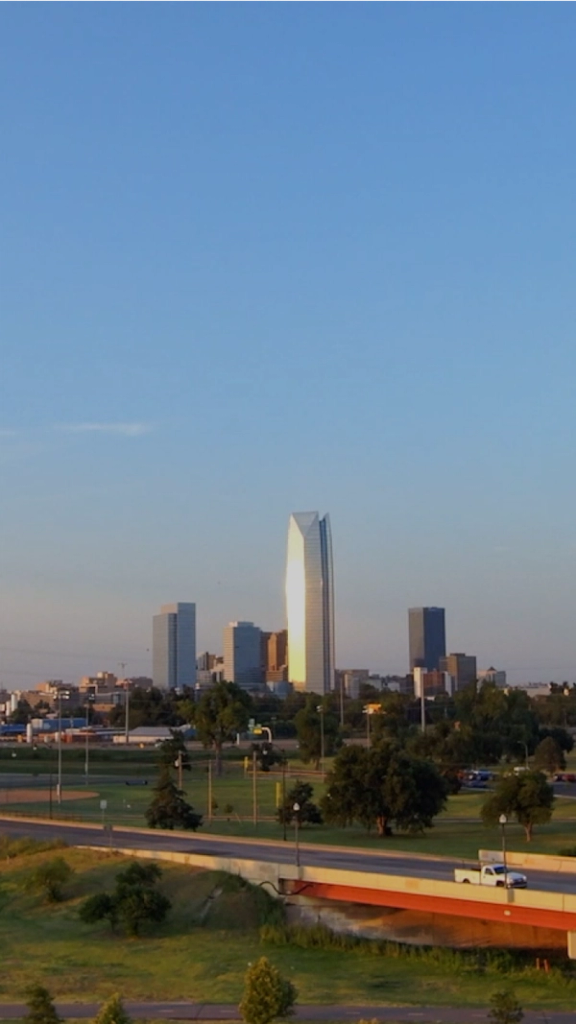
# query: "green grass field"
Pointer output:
{"type": "Point", "coordinates": [457, 832]}
{"type": "Point", "coordinates": [116, 776]}
{"type": "Point", "coordinates": [201, 953]}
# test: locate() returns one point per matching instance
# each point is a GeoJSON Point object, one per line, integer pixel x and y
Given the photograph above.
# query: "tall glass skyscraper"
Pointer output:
{"type": "Point", "coordinates": [310, 603]}
{"type": "Point", "coordinates": [174, 646]}
{"type": "Point", "coordinates": [426, 637]}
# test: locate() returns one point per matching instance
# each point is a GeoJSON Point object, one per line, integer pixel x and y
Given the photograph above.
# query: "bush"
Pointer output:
{"type": "Point", "coordinates": [113, 1012]}
{"type": "Point", "coordinates": [266, 994]}
{"type": "Point", "coordinates": [41, 1009]}
{"type": "Point", "coordinates": [49, 878]}
{"type": "Point", "coordinates": [135, 900]}
{"type": "Point", "coordinates": [505, 1008]}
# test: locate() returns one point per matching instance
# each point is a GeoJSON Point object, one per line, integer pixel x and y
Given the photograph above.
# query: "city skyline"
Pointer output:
{"type": "Point", "coordinates": [280, 256]}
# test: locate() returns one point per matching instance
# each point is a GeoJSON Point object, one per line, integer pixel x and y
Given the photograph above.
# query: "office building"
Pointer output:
{"type": "Point", "coordinates": [264, 638]}
{"type": "Point", "coordinates": [310, 603]}
{"type": "Point", "coordinates": [174, 646]}
{"type": "Point", "coordinates": [431, 684]}
{"type": "Point", "coordinates": [277, 651]}
{"type": "Point", "coordinates": [243, 654]}
{"type": "Point", "coordinates": [426, 637]}
{"type": "Point", "coordinates": [461, 668]}
{"type": "Point", "coordinates": [492, 675]}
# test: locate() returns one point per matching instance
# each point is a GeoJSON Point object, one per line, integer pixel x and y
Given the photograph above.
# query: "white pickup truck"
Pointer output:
{"type": "Point", "coordinates": [491, 874]}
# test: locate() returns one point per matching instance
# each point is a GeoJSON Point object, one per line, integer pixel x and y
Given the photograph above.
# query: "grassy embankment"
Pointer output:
{"type": "Point", "coordinates": [202, 951]}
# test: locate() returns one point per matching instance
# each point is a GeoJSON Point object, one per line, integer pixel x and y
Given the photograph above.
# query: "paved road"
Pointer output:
{"type": "Point", "coordinates": [225, 1012]}
{"type": "Point", "coordinates": [221, 846]}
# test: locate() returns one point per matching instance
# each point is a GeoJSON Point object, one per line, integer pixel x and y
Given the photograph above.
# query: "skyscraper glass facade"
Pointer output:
{"type": "Point", "coordinates": [310, 603]}
{"type": "Point", "coordinates": [242, 654]}
{"type": "Point", "coordinates": [174, 646]}
{"type": "Point", "coordinates": [426, 637]}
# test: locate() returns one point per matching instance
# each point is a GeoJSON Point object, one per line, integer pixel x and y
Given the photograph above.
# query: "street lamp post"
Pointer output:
{"type": "Point", "coordinates": [86, 751]}
{"type": "Point", "coordinates": [502, 820]}
{"type": "Point", "coordinates": [284, 796]}
{"type": "Point", "coordinates": [296, 809]}
{"type": "Point", "coordinates": [59, 782]}
{"type": "Point", "coordinates": [320, 710]}
{"type": "Point", "coordinates": [254, 789]}
{"type": "Point", "coordinates": [127, 715]}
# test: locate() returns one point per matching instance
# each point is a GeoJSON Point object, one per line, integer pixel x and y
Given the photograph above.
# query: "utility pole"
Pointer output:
{"type": "Point", "coordinates": [254, 789]}
{"type": "Point", "coordinates": [86, 752]}
{"type": "Point", "coordinates": [284, 811]}
{"type": "Point", "coordinates": [209, 791]}
{"type": "Point", "coordinates": [122, 665]}
{"type": "Point", "coordinates": [59, 783]}
{"type": "Point", "coordinates": [320, 710]}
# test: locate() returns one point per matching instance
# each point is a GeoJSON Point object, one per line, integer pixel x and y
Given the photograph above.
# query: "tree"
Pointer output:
{"type": "Point", "coordinates": [22, 714]}
{"type": "Point", "coordinates": [383, 786]}
{"type": "Point", "coordinates": [99, 907]}
{"type": "Point", "coordinates": [49, 878]}
{"type": "Point", "coordinates": [168, 808]}
{"type": "Point", "coordinates": [41, 1009]}
{"type": "Point", "coordinates": [222, 711]}
{"type": "Point", "coordinates": [135, 900]}
{"type": "Point", "coordinates": [113, 1012]}
{"type": "Point", "coordinates": [562, 737]}
{"type": "Point", "coordinates": [267, 755]}
{"type": "Point", "coordinates": [173, 750]}
{"type": "Point", "coordinates": [527, 796]}
{"type": "Point", "coordinates": [267, 994]}
{"type": "Point", "coordinates": [309, 813]}
{"type": "Point", "coordinates": [148, 706]}
{"type": "Point", "coordinates": [505, 1008]}
{"type": "Point", "coordinates": [309, 729]}
{"type": "Point", "coordinates": [450, 748]}
{"type": "Point", "coordinates": [345, 785]}
{"type": "Point", "coordinates": [548, 756]}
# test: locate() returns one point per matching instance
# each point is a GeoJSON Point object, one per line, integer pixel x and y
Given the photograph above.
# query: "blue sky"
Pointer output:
{"type": "Point", "coordinates": [263, 258]}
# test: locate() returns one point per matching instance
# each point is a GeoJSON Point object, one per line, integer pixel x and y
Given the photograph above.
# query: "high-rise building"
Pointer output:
{"type": "Point", "coordinates": [243, 654]}
{"type": "Point", "coordinates": [174, 646]}
{"type": "Point", "coordinates": [277, 657]}
{"type": "Point", "coordinates": [461, 668]}
{"type": "Point", "coordinates": [492, 675]}
{"type": "Point", "coordinates": [426, 637]}
{"type": "Point", "coordinates": [310, 603]}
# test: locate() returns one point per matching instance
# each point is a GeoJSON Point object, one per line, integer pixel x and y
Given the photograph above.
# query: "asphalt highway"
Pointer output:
{"type": "Point", "coordinates": [312, 1012]}
{"type": "Point", "coordinates": [397, 863]}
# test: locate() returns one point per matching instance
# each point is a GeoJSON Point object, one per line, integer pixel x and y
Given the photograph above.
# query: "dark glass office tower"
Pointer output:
{"type": "Point", "coordinates": [426, 637]}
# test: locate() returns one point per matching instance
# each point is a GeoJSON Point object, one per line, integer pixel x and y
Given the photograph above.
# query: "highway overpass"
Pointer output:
{"type": "Point", "coordinates": [416, 892]}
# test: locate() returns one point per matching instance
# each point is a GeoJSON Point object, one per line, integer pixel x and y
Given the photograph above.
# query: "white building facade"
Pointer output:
{"type": "Point", "coordinates": [310, 603]}
{"type": "Point", "coordinates": [174, 646]}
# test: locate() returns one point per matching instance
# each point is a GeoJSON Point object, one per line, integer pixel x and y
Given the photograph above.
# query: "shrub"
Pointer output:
{"type": "Point", "coordinates": [113, 1012]}
{"type": "Point", "coordinates": [41, 1009]}
{"type": "Point", "coordinates": [505, 1008]}
{"type": "Point", "coordinates": [135, 900]}
{"type": "Point", "coordinates": [266, 994]}
{"type": "Point", "coordinates": [49, 878]}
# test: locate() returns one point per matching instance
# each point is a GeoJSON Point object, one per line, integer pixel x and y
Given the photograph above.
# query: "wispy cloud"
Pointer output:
{"type": "Point", "coordinates": [124, 429]}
